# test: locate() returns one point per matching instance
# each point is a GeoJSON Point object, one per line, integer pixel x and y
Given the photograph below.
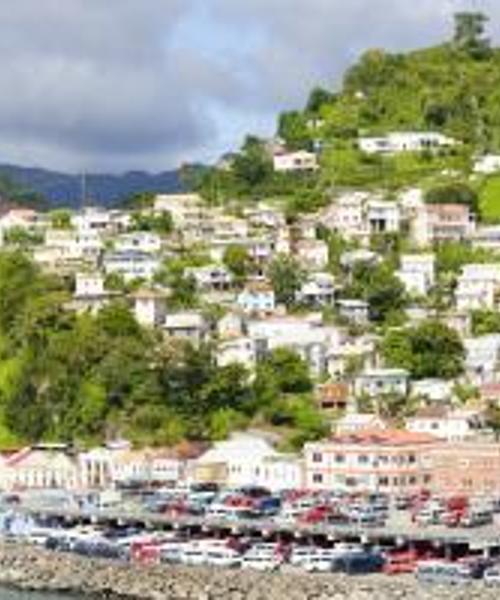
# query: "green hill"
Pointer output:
{"type": "Point", "coordinates": [453, 88]}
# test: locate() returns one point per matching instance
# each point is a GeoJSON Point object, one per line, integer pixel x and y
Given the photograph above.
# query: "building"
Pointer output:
{"type": "Point", "coordinates": [246, 459]}
{"type": "Point", "coordinates": [482, 355]}
{"type": "Point", "coordinates": [353, 422]}
{"type": "Point", "coordinates": [333, 395]}
{"type": "Point", "coordinates": [43, 466]}
{"type": "Point", "coordinates": [488, 164]}
{"type": "Point", "coordinates": [346, 216]}
{"type": "Point", "coordinates": [382, 216]}
{"type": "Point", "coordinates": [243, 350]}
{"type": "Point", "coordinates": [407, 141]}
{"type": "Point", "coordinates": [384, 460]}
{"type": "Point", "coordinates": [149, 307]}
{"type": "Point", "coordinates": [211, 278]}
{"type": "Point", "coordinates": [138, 241]}
{"type": "Point", "coordinates": [417, 273]}
{"type": "Point", "coordinates": [477, 287]}
{"type": "Point", "coordinates": [318, 290]}
{"type": "Point", "coordinates": [257, 297]}
{"type": "Point", "coordinates": [435, 223]}
{"type": "Point", "coordinates": [356, 311]}
{"type": "Point", "coordinates": [486, 236]}
{"type": "Point", "coordinates": [188, 325]}
{"type": "Point", "coordinates": [313, 254]}
{"type": "Point", "coordinates": [295, 161]}
{"type": "Point", "coordinates": [470, 467]}
{"type": "Point", "coordinates": [132, 265]}
{"type": "Point", "coordinates": [89, 294]}
{"type": "Point", "coordinates": [451, 425]}
{"type": "Point", "coordinates": [380, 382]}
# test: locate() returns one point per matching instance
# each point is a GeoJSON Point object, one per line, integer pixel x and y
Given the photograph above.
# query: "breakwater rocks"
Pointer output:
{"type": "Point", "coordinates": [32, 568]}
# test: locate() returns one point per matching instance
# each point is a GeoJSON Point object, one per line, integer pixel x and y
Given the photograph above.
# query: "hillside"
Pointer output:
{"type": "Point", "coordinates": [63, 189]}
{"type": "Point", "coordinates": [453, 88]}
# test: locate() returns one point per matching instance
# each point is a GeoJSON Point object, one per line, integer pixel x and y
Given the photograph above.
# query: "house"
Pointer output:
{"type": "Point", "coordinates": [346, 216]}
{"type": "Point", "coordinates": [313, 254]}
{"type": "Point", "coordinates": [257, 297]}
{"type": "Point", "coordinates": [246, 459]}
{"type": "Point", "coordinates": [295, 161]}
{"type": "Point", "coordinates": [138, 241]}
{"type": "Point", "coordinates": [469, 467]}
{"type": "Point", "coordinates": [230, 326]}
{"type": "Point", "coordinates": [390, 461]}
{"type": "Point", "coordinates": [333, 395]}
{"type": "Point", "coordinates": [356, 311]}
{"type": "Point", "coordinates": [382, 216]}
{"type": "Point", "coordinates": [149, 306]}
{"type": "Point", "coordinates": [482, 356]}
{"type": "Point", "coordinates": [189, 326]}
{"type": "Point", "coordinates": [407, 141]}
{"type": "Point", "coordinates": [42, 466]}
{"type": "Point", "coordinates": [245, 351]}
{"type": "Point", "coordinates": [477, 287]}
{"type": "Point", "coordinates": [359, 350]}
{"type": "Point", "coordinates": [488, 164]}
{"type": "Point", "coordinates": [487, 237]}
{"type": "Point", "coordinates": [379, 382]}
{"type": "Point", "coordinates": [352, 422]}
{"type": "Point", "coordinates": [92, 219]}
{"type": "Point", "coordinates": [417, 273]}
{"type": "Point", "coordinates": [211, 277]}
{"type": "Point", "coordinates": [490, 392]}
{"type": "Point", "coordinates": [435, 223]}
{"type": "Point", "coordinates": [318, 290]}
{"type": "Point", "coordinates": [89, 294]}
{"type": "Point", "coordinates": [23, 218]}
{"type": "Point", "coordinates": [131, 265]}
{"type": "Point", "coordinates": [433, 390]}
{"type": "Point", "coordinates": [185, 209]}
{"type": "Point", "coordinates": [451, 425]}
{"type": "Point", "coordinates": [351, 258]}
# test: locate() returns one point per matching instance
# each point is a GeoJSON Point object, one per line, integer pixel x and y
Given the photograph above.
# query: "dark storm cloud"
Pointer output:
{"type": "Point", "coordinates": [145, 83]}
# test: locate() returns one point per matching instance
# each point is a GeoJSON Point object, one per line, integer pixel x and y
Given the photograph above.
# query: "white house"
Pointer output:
{"type": "Point", "coordinates": [188, 325]}
{"type": "Point", "coordinates": [407, 141]}
{"type": "Point", "coordinates": [347, 216]}
{"type": "Point", "coordinates": [486, 236]}
{"type": "Point", "coordinates": [482, 355]}
{"type": "Point", "coordinates": [417, 273]}
{"type": "Point", "coordinates": [382, 216]}
{"type": "Point", "coordinates": [452, 425]}
{"type": "Point", "coordinates": [318, 290]}
{"type": "Point", "coordinates": [211, 277]}
{"type": "Point", "coordinates": [257, 297]}
{"type": "Point", "coordinates": [89, 292]}
{"type": "Point", "coordinates": [354, 310]}
{"type": "Point", "coordinates": [379, 382]}
{"type": "Point", "coordinates": [138, 241]}
{"type": "Point", "coordinates": [432, 389]}
{"type": "Point", "coordinates": [247, 459]}
{"type": "Point", "coordinates": [477, 286]}
{"type": "Point", "coordinates": [313, 254]}
{"type": "Point", "coordinates": [488, 164]}
{"type": "Point", "coordinates": [149, 307]}
{"type": "Point", "coordinates": [353, 422]}
{"type": "Point", "coordinates": [131, 265]}
{"type": "Point", "coordinates": [243, 350]}
{"type": "Point", "coordinates": [295, 161]}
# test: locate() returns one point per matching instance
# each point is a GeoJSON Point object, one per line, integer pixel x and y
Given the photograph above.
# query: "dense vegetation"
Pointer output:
{"type": "Point", "coordinates": [83, 377]}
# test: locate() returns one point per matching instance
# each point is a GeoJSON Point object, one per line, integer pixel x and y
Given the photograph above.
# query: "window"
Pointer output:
{"type": "Point", "coordinates": [339, 458]}
{"type": "Point", "coordinates": [317, 457]}
{"type": "Point", "coordinates": [383, 481]}
{"type": "Point", "coordinates": [317, 478]}
{"type": "Point", "coordinates": [363, 459]}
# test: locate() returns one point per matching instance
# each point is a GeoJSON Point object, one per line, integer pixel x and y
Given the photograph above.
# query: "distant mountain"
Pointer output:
{"type": "Point", "coordinates": [62, 189]}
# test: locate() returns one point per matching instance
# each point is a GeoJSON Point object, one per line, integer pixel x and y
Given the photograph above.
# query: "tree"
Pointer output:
{"type": "Point", "coordinates": [453, 193]}
{"type": "Point", "coordinates": [283, 371]}
{"type": "Point", "coordinates": [252, 166]}
{"type": "Point", "coordinates": [237, 260]}
{"type": "Point", "coordinates": [469, 30]}
{"type": "Point", "coordinates": [485, 321]}
{"type": "Point", "coordinates": [60, 219]}
{"type": "Point", "coordinates": [161, 223]}
{"type": "Point", "coordinates": [183, 291]}
{"type": "Point", "coordinates": [431, 349]}
{"type": "Point", "coordinates": [292, 127]}
{"type": "Point", "coordinates": [317, 98]}
{"type": "Point", "coordinates": [286, 278]}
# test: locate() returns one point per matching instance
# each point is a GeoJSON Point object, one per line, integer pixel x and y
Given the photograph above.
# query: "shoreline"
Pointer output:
{"type": "Point", "coordinates": [29, 568]}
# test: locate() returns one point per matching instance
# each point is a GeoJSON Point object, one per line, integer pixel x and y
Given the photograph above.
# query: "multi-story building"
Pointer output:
{"type": "Point", "coordinates": [295, 161]}
{"type": "Point", "coordinates": [434, 223]}
{"type": "Point", "coordinates": [385, 460]}
{"type": "Point", "coordinates": [477, 287]}
{"type": "Point", "coordinates": [417, 273]}
{"type": "Point", "coordinates": [380, 382]}
{"type": "Point", "coordinates": [405, 141]}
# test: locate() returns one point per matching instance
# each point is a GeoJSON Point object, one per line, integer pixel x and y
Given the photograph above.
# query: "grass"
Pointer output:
{"type": "Point", "coordinates": [489, 200]}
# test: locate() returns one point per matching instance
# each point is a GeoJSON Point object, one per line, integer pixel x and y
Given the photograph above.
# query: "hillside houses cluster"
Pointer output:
{"type": "Point", "coordinates": [364, 450]}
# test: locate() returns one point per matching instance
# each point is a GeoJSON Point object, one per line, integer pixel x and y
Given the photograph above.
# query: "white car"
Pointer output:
{"type": "Point", "coordinates": [223, 557]}
{"type": "Point", "coordinates": [261, 561]}
{"type": "Point", "coordinates": [302, 554]}
{"type": "Point", "coordinates": [492, 577]}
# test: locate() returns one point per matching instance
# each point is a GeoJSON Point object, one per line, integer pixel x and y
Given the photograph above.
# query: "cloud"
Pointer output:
{"type": "Point", "coordinates": [117, 84]}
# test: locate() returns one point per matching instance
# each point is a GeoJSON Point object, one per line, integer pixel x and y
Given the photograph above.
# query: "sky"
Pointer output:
{"type": "Point", "coordinates": [115, 85]}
